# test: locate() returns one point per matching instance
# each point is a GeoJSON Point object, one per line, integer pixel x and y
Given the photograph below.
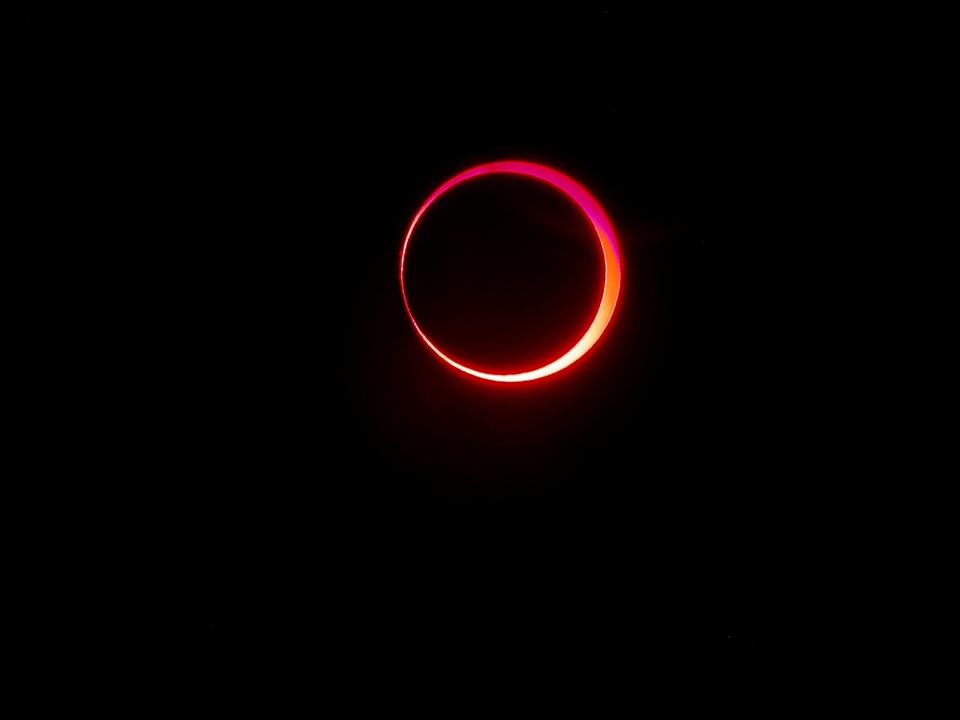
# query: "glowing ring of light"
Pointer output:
{"type": "Point", "coordinates": [608, 243]}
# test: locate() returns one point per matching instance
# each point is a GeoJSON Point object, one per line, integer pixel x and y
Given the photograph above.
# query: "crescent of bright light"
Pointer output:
{"type": "Point", "coordinates": [608, 243]}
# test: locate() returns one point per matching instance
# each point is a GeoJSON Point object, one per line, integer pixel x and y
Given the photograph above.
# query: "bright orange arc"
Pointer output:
{"type": "Point", "coordinates": [608, 244]}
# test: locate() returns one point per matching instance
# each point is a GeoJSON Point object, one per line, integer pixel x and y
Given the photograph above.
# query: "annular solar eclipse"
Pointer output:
{"type": "Point", "coordinates": [608, 246]}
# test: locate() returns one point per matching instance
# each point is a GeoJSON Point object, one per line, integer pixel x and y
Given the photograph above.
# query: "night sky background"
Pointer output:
{"type": "Point", "coordinates": [334, 497]}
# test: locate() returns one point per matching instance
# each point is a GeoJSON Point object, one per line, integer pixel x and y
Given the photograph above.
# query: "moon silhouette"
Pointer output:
{"type": "Point", "coordinates": [608, 245]}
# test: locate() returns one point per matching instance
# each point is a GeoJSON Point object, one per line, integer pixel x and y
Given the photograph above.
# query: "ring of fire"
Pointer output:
{"type": "Point", "coordinates": [608, 244]}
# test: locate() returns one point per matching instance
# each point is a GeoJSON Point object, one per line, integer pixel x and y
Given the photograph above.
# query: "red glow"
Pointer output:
{"type": "Point", "coordinates": [608, 244]}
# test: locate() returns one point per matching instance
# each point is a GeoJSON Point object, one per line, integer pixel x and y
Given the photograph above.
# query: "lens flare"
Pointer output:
{"type": "Point", "coordinates": [608, 244]}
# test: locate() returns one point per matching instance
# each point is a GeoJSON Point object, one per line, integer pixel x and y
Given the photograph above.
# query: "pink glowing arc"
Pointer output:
{"type": "Point", "coordinates": [608, 243]}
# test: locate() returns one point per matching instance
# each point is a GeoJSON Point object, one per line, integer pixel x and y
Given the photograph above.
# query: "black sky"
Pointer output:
{"type": "Point", "coordinates": [330, 491]}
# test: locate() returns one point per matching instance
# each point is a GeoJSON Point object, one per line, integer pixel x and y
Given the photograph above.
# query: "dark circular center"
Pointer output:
{"type": "Point", "coordinates": [504, 273]}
